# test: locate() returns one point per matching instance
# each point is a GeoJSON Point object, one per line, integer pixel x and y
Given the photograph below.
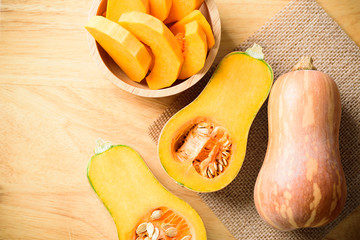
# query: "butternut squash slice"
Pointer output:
{"type": "Point", "coordinates": [160, 8]}
{"type": "Point", "coordinates": [202, 147]}
{"type": "Point", "coordinates": [194, 49]}
{"type": "Point", "coordinates": [181, 8]}
{"type": "Point", "coordinates": [123, 47]}
{"type": "Point", "coordinates": [196, 15]}
{"type": "Point", "coordinates": [140, 206]}
{"type": "Point", "coordinates": [163, 44]}
{"type": "Point", "coordinates": [115, 8]}
{"type": "Point", "coordinates": [301, 183]}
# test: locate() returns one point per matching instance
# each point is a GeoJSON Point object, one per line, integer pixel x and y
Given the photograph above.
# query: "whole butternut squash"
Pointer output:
{"type": "Point", "coordinates": [301, 183]}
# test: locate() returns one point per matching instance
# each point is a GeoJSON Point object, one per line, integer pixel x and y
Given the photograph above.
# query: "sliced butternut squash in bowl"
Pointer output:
{"type": "Point", "coordinates": [163, 44]}
{"type": "Point", "coordinates": [123, 47]}
{"type": "Point", "coordinates": [140, 206]}
{"type": "Point", "coordinates": [202, 147]}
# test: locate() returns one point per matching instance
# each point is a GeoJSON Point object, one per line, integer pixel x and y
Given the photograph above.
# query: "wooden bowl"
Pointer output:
{"type": "Point", "coordinates": [113, 72]}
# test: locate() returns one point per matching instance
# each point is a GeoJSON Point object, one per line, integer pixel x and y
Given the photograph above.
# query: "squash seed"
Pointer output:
{"type": "Point", "coordinates": [227, 143]}
{"type": "Point", "coordinates": [147, 238]}
{"type": "Point", "coordinates": [224, 162]}
{"type": "Point", "coordinates": [141, 228]}
{"type": "Point", "coordinates": [156, 234]}
{"type": "Point", "coordinates": [208, 173]}
{"type": "Point", "coordinates": [171, 232]}
{"type": "Point", "coordinates": [157, 214]}
{"type": "Point", "coordinates": [211, 171]}
{"type": "Point", "coordinates": [187, 237]}
{"type": "Point", "coordinates": [150, 229]}
{"type": "Point", "coordinates": [215, 167]}
{"type": "Point", "coordinates": [166, 226]}
{"type": "Point", "coordinates": [221, 168]}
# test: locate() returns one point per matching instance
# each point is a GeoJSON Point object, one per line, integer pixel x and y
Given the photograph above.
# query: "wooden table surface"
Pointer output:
{"type": "Point", "coordinates": [55, 103]}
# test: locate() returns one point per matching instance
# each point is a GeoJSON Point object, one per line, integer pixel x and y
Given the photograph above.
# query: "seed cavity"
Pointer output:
{"type": "Point", "coordinates": [207, 146]}
{"type": "Point", "coordinates": [163, 224]}
{"type": "Point", "coordinates": [171, 232]}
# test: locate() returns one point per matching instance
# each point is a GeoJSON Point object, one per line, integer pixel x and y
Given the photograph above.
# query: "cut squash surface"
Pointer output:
{"type": "Point", "coordinates": [124, 48]}
{"type": "Point", "coordinates": [196, 15]}
{"type": "Point", "coordinates": [160, 8]}
{"type": "Point", "coordinates": [203, 145]}
{"type": "Point", "coordinates": [117, 7]}
{"type": "Point", "coordinates": [166, 49]}
{"type": "Point", "coordinates": [181, 8]}
{"type": "Point", "coordinates": [195, 50]}
{"type": "Point", "coordinates": [133, 196]}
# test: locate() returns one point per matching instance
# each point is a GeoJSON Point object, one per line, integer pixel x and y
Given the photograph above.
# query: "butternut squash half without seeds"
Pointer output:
{"type": "Point", "coordinates": [140, 206]}
{"type": "Point", "coordinates": [202, 147]}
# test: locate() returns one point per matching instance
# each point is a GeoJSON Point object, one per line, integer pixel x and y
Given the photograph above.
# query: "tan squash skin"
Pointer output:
{"type": "Point", "coordinates": [301, 183]}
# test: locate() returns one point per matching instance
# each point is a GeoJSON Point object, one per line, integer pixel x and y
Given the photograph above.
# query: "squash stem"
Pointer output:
{"type": "Point", "coordinates": [255, 51]}
{"type": "Point", "coordinates": [101, 146]}
{"type": "Point", "coordinates": [305, 63]}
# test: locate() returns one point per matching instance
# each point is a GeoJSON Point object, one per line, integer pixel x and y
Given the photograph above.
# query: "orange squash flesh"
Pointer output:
{"type": "Point", "coordinates": [160, 8]}
{"type": "Point", "coordinates": [152, 57]}
{"type": "Point", "coordinates": [301, 183]}
{"type": "Point", "coordinates": [196, 15]}
{"type": "Point", "coordinates": [195, 50]}
{"type": "Point", "coordinates": [231, 99]}
{"type": "Point", "coordinates": [117, 7]}
{"type": "Point", "coordinates": [130, 192]}
{"type": "Point", "coordinates": [124, 48]}
{"type": "Point", "coordinates": [163, 44]}
{"type": "Point", "coordinates": [181, 8]}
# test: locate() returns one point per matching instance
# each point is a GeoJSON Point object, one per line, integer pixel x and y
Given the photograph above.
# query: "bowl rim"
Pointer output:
{"type": "Point", "coordinates": [171, 90]}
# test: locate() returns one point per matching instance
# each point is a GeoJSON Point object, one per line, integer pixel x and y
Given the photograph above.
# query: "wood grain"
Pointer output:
{"type": "Point", "coordinates": [55, 103]}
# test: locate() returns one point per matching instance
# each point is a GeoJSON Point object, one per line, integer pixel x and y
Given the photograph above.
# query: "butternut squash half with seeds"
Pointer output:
{"type": "Point", "coordinates": [301, 183]}
{"type": "Point", "coordinates": [140, 206]}
{"type": "Point", "coordinates": [203, 145]}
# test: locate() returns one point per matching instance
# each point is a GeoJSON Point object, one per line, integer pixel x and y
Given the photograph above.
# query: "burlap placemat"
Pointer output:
{"type": "Point", "coordinates": [302, 27]}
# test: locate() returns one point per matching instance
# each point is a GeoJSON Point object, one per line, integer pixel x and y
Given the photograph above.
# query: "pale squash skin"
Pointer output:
{"type": "Point", "coordinates": [302, 183]}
